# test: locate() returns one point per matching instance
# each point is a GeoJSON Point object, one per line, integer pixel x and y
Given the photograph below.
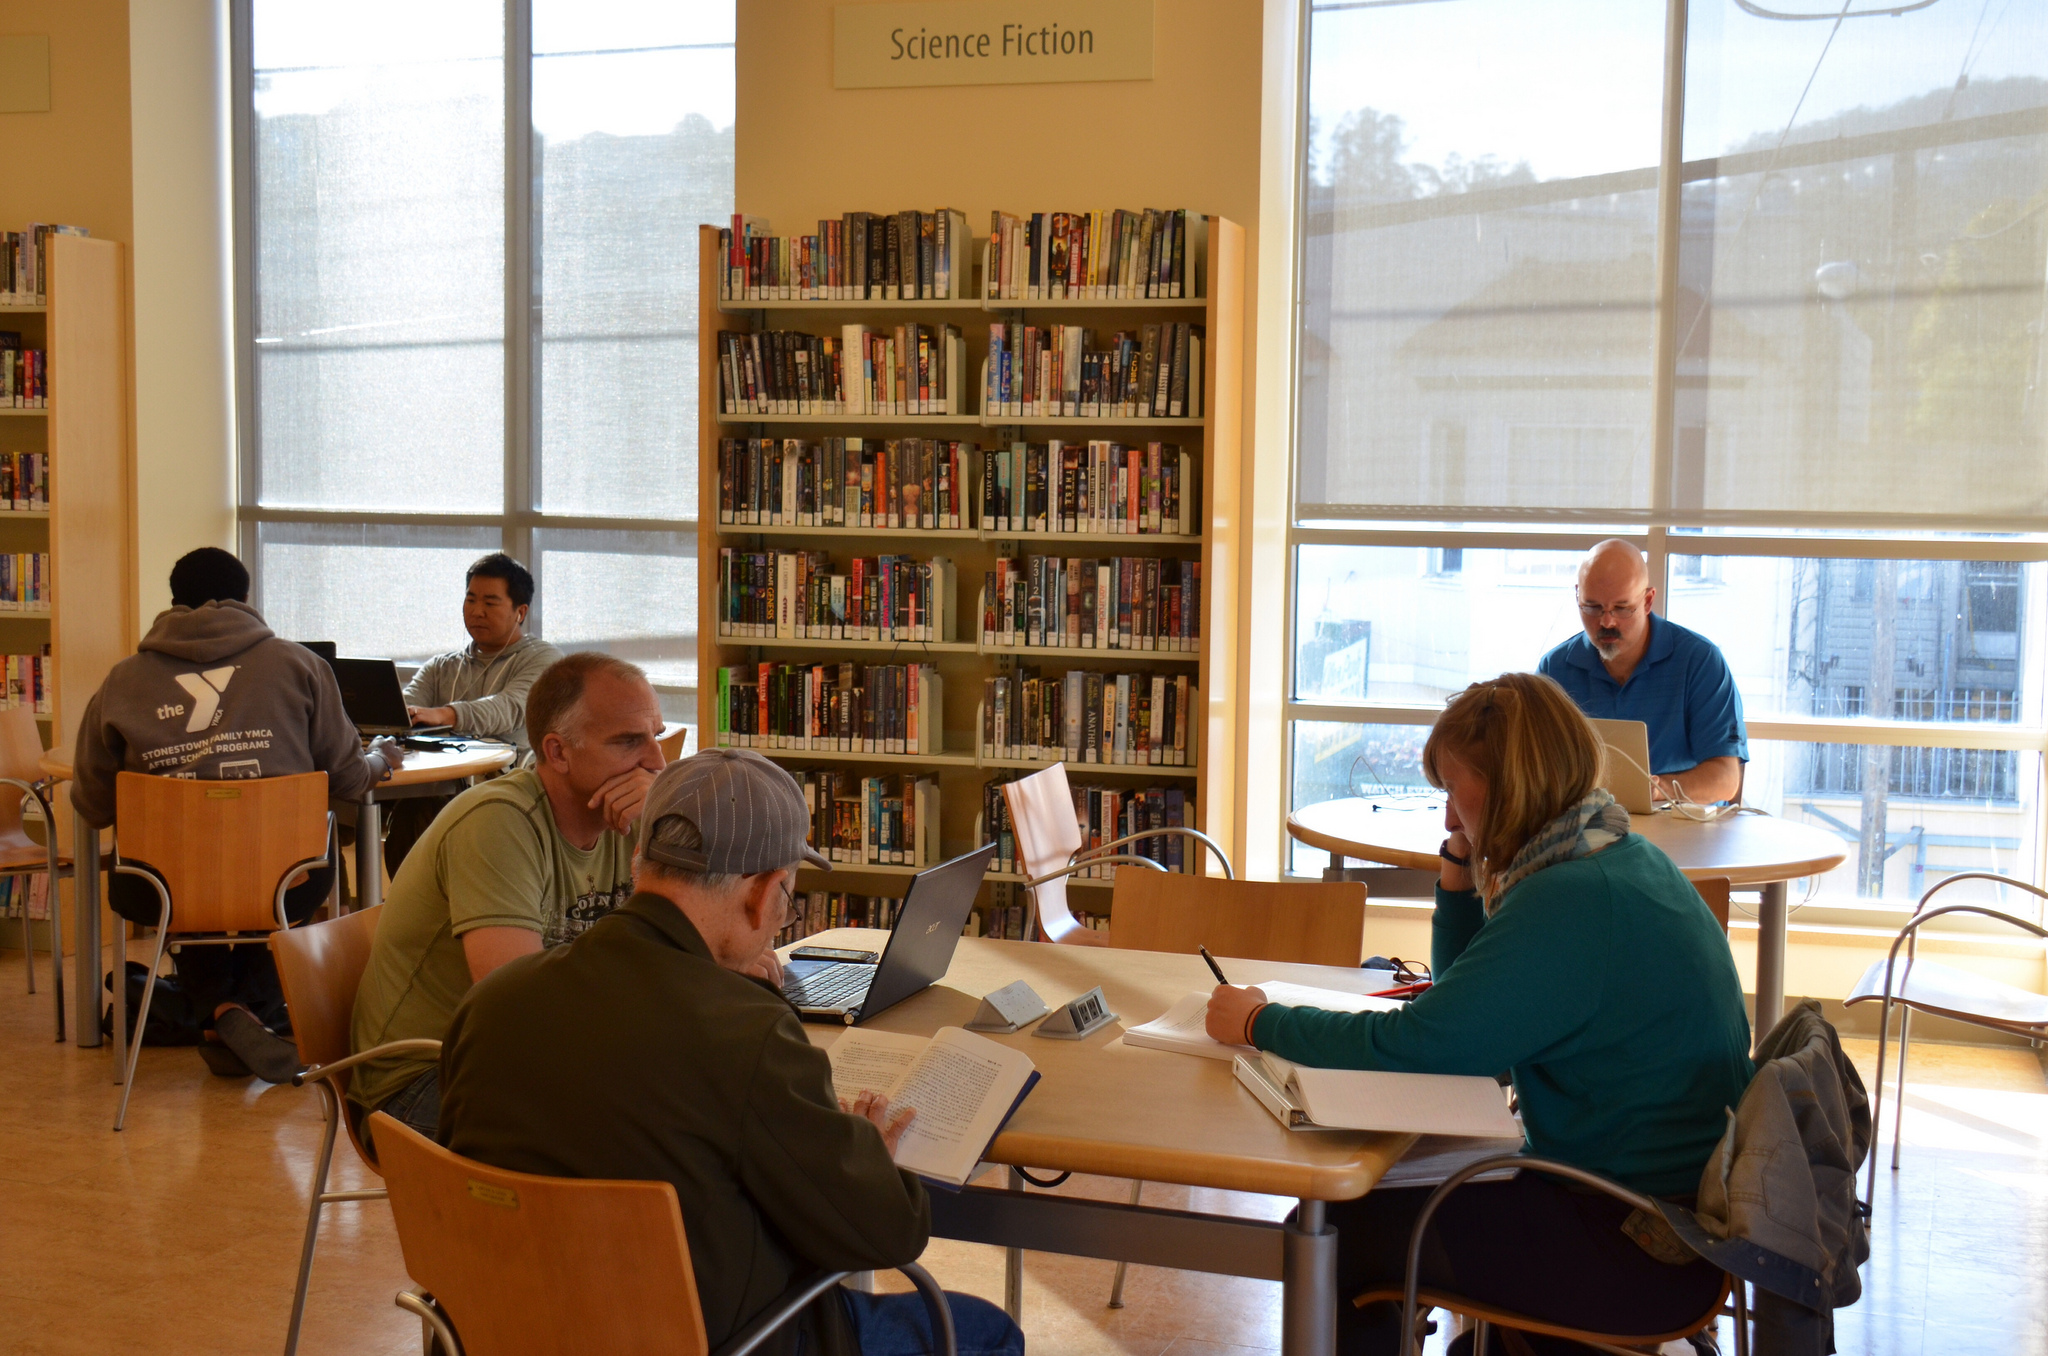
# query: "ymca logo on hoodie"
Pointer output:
{"type": "Point", "coordinates": [206, 690]}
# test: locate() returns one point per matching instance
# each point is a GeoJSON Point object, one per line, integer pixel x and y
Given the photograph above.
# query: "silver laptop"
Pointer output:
{"type": "Point", "coordinates": [1625, 763]}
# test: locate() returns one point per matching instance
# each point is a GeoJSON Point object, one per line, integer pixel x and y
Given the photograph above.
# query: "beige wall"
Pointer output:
{"type": "Point", "coordinates": [184, 413]}
{"type": "Point", "coordinates": [71, 163]}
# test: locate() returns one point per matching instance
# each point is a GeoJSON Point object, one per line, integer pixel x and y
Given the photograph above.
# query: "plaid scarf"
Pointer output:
{"type": "Point", "coordinates": [1596, 822]}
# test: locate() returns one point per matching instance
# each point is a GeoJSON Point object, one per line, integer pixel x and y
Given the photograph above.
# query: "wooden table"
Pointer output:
{"type": "Point", "coordinates": [424, 774]}
{"type": "Point", "coordinates": [1122, 1111]}
{"type": "Point", "coordinates": [1749, 849]}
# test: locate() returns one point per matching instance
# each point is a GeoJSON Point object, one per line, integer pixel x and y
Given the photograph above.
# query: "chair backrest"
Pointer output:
{"type": "Point", "coordinates": [524, 1263]}
{"type": "Point", "coordinates": [1042, 812]}
{"type": "Point", "coordinates": [1309, 924]}
{"type": "Point", "coordinates": [320, 966]}
{"type": "Point", "coordinates": [671, 744]}
{"type": "Point", "coordinates": [221, 847]}
{"type": "Point", "coordinates": [1714, 890]}
{"type": "Point", "coordinates": [21, 751]}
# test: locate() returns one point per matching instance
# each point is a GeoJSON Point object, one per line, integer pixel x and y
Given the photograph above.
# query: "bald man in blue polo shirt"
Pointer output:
{"type": "Point", "coordinates": [1631, 664]}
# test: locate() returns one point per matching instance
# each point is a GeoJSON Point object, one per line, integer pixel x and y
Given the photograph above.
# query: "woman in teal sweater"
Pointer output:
{"type": "Point", "coordinates": [1571, 954]}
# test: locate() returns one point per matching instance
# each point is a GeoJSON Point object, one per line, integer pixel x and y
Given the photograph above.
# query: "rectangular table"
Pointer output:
{"type": "Point", "coordinates": [1121, 1111]}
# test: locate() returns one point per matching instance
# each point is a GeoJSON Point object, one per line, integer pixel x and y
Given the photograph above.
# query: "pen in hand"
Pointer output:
{"type": "Point", "coordinates": [1214, 968]}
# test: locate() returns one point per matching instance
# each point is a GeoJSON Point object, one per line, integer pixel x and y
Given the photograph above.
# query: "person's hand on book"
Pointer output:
{"type": "Point", "coordinates": [621, 797]}
{"type": "Point", "coordinates": [873, 1106]}
{"type": "Point", "coordinates": [1231, 1011]}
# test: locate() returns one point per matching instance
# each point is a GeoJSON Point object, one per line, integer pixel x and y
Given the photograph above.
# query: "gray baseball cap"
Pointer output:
{"type": "Point", "coordinates": [749, 815]}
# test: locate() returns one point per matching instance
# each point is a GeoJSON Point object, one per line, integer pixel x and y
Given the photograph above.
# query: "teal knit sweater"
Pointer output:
{"type": "Point", "coordinates": [1603, 985]}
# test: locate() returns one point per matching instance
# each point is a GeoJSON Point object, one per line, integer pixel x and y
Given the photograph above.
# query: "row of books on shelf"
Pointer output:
{"type": "Point", "coordinates": [28, 682]}
{"type": "Point", "coordinates": [25, 581]}
{"type": "Point", "coordinates": [874, 821]}
{"type": "Point", "coordinates": [821, 910]}
{"type": "Point", "coordinates": [25, 263]}
{"type": "Point", "coordinates": [25, 896]}
{"type": "Point", "coordinates": [861, 256]}
{"type": "Point", "coordinates": [832, 708]}
{"type": "Point", "coordinates": [1097, 486]}
{"type": "Point", "coordinates": [24, 375]}
{"type": "Point", "coordinates": [910, 369]}
{"type": "Point", "coordinates": [845, 482]}
{"type": "Point", "coordinates": [1033, 372]}
{"type": "Point", "coordinates": [1149, 603]}
{"type": "Point", "coordinates": [25, 481]}
{"type": "Point", "coordinates": [1127, 719]}
{"type": "Point", "coordinates": [1103, 255]}
{"type": "Point", "coordinates": [801, 595]}
{"type": "Point", "coordinates": [1103, 814]}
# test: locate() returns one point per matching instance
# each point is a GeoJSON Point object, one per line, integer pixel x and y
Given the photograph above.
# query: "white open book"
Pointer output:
{"type": "Point", "coordinates": [1365, 1099]}
{"type": "Point", "coordinates": [1180, 1030]}
{"type": "Point", "coordinates": [964, 1087]}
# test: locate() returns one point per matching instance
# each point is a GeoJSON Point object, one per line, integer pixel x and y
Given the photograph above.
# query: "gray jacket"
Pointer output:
{"type": "Point", "coordinates": [488, 695]}
{"type": "Point", "coordinates": [1777, 1201]}
{"type": "Point", "coordinates": [211, 693]}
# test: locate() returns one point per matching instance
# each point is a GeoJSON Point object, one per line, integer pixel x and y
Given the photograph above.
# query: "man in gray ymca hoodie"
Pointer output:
{"type": "Point", "coordinates": [211, 693]}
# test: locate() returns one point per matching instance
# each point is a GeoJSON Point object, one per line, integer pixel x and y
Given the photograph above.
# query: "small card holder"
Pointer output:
{"type": "Point", "coordinates": [1078, 1017]}
{"type": "Point", "coordinates": [1008, 1009]}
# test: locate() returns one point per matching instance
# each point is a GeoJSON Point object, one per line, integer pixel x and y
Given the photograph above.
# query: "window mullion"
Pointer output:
{"type": "Point", "coordinates": [522, 287]}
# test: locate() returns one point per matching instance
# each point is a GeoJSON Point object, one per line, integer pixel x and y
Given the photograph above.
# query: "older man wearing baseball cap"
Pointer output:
{"type": "Point", "coordinates": [656, 1046]}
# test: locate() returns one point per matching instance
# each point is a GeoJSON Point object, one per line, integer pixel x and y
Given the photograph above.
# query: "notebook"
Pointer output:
{"type": "Point", "coordinates": [1302, 1098]}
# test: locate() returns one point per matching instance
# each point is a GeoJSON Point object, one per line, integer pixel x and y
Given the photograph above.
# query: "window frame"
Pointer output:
{"type": "Point", "coordinates": [519, 517]}
{"type": "Point", "coordinates": [1663, 529]}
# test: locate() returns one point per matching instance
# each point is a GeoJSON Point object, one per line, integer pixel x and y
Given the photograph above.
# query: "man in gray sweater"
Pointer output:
{"type": "Point", "coordinates": [211, 693]}
{"type": "Point", "coordinates": [479, 690]}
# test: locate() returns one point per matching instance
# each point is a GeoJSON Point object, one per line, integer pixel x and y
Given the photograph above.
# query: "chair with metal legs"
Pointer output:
{"type": "Point", "coordinates": [21, 746]}
{"type": "Point", "coordinates": [220, 856]}
{"type": "Point", "coordinates": [1417, 1299]}
{"type": "Point", "coordinates": [509, 1262]}
{"type": "Point", "coordinates": [320, 966]}
{"type": "Point", "coordinates": [1941, 991]}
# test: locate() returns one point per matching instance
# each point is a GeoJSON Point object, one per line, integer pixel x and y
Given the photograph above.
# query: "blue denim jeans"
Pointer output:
{"type": "Point", "coordinates": [898, 1325]}
{"type": "Point", "coordinates": [418, 1103]}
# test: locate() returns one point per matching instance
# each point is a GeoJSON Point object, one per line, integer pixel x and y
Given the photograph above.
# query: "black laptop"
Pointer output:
{"type": "Point", "coordinates": [371, 695]}
{"type": "Point", "coordinates": [921, 946]}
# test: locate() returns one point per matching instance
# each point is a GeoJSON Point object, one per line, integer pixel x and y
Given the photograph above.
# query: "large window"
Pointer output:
{"type": "Point", "coordinates": [467, 299]}
{"type": "Point", "coordinates": [1824, 423]}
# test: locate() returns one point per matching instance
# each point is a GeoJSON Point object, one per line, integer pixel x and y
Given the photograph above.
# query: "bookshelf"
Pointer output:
{"type": "Point", "coordinates": [964, 769]}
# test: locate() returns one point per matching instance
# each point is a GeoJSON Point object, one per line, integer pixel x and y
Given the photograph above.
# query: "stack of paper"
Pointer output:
{"type": "Point", "coordinates": [1180, 1030]}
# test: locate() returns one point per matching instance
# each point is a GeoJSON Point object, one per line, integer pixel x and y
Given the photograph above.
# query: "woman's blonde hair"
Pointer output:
{"type": "Point", "coordinates": [1531, 744]}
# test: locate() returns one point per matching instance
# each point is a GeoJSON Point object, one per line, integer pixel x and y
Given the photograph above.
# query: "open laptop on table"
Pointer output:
{"type": "Point", "coordinates": [371, 695]}
{"type": "Point", "coordinates": [920, 948]}
{"type": "Point", "coordinates": [1625, 763]}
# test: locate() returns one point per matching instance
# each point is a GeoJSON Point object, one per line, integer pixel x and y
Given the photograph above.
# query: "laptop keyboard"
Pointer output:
{"type": "Point", "coordinates": [829, 986]}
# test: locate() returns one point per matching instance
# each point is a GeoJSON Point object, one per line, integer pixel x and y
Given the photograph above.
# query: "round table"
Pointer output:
{"type": "Point", "coordinates": [435, 773]}
{"type": "Point", "coordinates": [1758, 850]}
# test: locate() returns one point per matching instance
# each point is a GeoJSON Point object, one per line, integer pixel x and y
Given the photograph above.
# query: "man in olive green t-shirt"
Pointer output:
{"type": "Point", "coordinates": [520, 863]}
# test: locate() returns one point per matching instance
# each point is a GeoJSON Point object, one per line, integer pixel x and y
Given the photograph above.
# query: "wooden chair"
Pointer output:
{"type": "Point", "coordinates": [508, 1262]}
{"type": "Point", "coordinates": [1258, 920]}
{"type": "Point", "coordinates": [320, 966]}
{"type": "Point", "coordinates": [220, 855]}
{"type": "Point", "coordinates": [1943, 991]}
{"type": "Point", "coordinates": [673, 737]}
{"type": "Point", "coordinates": [1049, 840]}
{"type": "Point", "coordinates": [1714, 891]}
{"type": "Point", "coordinates": [1304, 924]}
{"type": "Point", "coordinates": [1416, 1299]}
{"type": "Point", "coordinates": [21, 748]}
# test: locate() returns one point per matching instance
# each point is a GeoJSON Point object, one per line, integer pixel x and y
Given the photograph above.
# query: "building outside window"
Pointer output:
{"type": "Point", "coordinates": [1837, 461]}
{"type": "Point", "coordinates": [467, 313]}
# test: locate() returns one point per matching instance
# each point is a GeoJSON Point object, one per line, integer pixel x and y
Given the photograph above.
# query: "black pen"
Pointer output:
{"type": "Point", "coordinates": [1214, 968]}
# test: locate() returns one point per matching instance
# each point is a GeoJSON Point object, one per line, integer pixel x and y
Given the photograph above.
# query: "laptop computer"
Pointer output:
{"type": "Point", "coordinates": [371, 695]}
{"type": "Point", "coordinates": [1625, 763]}
{"type": "Point", "coordinates": [323, 648]}
{"type": "Point", "coordinates": [921, 946]}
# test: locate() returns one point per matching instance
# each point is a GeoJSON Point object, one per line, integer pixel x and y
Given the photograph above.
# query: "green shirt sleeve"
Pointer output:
{"type": "Point", "coordinates": [1520, 987]}
{"type": "Point", "coordinates": [495, 869]}
{"type": "Point", "coordinates": [1456, 922]}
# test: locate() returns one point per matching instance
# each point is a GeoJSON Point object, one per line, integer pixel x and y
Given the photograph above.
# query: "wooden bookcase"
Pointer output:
{"type": "Point", "coordinates": [87, 529]}
{"type": "Point", "coordinates": [962, 770]}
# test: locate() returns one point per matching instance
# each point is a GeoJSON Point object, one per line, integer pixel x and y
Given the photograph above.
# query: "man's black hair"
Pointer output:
{"type": "Point", "coordinates": [498, 565]}
{"type": "Point", "coordinates": [208, 575]}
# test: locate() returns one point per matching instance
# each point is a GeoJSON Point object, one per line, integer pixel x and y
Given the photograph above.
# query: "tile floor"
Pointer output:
{"type": "Point", "coordinates": [181, 1233]}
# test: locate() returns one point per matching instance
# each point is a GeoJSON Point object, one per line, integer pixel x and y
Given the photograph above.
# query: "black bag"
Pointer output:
{"type": "Point", "coordinates": [171, 1018]}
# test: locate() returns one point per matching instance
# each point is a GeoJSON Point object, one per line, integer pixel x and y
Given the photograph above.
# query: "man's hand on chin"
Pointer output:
{"type": "Point", "coordinates": [766, 966]}
{"type": "Point", "coordinates": [621, 798]}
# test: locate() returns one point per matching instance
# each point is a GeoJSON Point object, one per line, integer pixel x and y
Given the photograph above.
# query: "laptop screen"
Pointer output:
{"type": "Point", "coordinates": [370, 693]}
{"type": "Point", "coordinates": [927, 929]}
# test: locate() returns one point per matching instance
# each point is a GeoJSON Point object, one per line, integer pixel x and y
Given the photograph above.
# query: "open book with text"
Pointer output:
{"type": "Point", "coordinates": [1181, 1028]}
{"type": "Point", "coordinates": [964, 1086]}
